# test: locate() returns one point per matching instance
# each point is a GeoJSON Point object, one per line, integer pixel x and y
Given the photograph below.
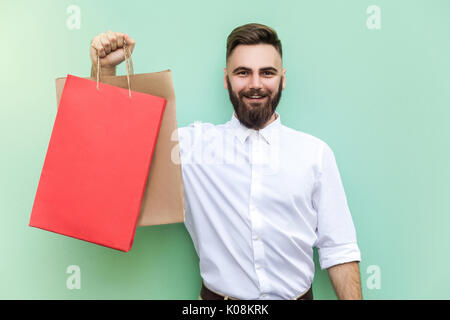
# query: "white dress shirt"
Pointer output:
{"type": "Point", "coordinates": [257, 202]}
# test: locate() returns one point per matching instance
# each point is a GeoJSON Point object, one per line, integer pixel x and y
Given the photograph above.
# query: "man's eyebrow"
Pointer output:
{"type": "Point", "coordinates": [242, 68]}
{"type": "Point", "coordinates": [269, 69]}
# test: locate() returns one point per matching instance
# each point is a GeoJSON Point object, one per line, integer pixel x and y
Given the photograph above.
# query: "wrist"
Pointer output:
{"type": "Point", "coordinates": [104, 71]}
{"type": "Point", "coordinates": [108, 71]}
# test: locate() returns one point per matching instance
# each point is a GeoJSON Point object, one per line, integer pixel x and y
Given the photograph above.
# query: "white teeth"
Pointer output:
{"type": "Point", "coordinates": [255, 97]}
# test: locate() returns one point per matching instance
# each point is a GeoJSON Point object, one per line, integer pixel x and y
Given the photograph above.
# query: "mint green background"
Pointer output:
{"type": "Point", "coordinates": [379, 98]}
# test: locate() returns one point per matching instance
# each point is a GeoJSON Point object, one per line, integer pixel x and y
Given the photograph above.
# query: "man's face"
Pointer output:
{"type": "Point", "coordinates": [254, 78]}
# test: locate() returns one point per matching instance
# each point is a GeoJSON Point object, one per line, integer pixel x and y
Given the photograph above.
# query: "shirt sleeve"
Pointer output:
{"type": "Point", "coordinates": [336, 235]}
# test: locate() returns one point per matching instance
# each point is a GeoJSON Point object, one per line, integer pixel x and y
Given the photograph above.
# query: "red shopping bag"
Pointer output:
{"type": "Point", "coordinates": [97, 163]}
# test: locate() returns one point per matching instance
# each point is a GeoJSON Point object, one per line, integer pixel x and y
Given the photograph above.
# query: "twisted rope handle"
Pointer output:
{"type": "Point", "coordinates": [129, 66]}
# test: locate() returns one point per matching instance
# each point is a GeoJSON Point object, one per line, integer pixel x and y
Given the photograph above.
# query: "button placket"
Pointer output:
{"type": "Point", "coordinates": [257, 154]}
{"type": "Point", "coordinates": [255, 188]}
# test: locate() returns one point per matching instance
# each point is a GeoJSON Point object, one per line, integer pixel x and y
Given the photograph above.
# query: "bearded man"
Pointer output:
{"type": "Point", "coordinates": [259, 196]}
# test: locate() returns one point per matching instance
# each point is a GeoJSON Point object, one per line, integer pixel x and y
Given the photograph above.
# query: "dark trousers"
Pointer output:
{"type": "Point", "coordinates": [207, 294]}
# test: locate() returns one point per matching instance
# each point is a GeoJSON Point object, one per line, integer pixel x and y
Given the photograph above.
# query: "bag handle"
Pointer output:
{"type": "Point", "coordinates": [129, 65]}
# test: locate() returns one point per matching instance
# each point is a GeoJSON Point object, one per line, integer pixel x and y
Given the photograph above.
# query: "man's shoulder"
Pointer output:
{"type": "Point", "coordinates": [303, 137]}
{"type": "Point", "coordinates": [197, 132]}
{"type": "Point", "coordinates": [199, 124]}
{"type": "Point", "coordinates": [200, 127]}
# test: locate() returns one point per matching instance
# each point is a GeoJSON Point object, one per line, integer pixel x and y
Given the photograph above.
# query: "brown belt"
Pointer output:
{"type": "Point", "coordinates": [207, 294]}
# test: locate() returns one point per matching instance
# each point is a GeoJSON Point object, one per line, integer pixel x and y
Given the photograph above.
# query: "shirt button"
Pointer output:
{"type": "Point", "coordinates": [255, 238]}
{"type": "Point", "coordinates": [264, 295]}
{"type": "Point", "coordinates": [258, 267]}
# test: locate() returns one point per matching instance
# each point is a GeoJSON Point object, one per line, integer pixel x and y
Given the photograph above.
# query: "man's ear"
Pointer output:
{"type": "Point", "coordinates": [225, 84]}
{"type": "Point", "coordinates": [284, 78]}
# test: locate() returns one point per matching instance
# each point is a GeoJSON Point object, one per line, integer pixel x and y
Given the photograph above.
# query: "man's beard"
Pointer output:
{"type": "Point", "coordinates": [254, 115]}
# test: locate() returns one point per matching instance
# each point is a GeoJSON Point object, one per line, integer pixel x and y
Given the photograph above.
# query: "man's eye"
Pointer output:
{"type": "Point", "coordinates": [242, 72]}
{"type": "Point", "coordinates": [268, 73]}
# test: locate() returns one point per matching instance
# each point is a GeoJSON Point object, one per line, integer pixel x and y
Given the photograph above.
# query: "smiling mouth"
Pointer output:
{"type": "Point", "coordinates": [255, 98]}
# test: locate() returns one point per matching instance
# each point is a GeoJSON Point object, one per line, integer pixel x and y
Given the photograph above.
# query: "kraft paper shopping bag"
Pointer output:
{"type": "Point", "coordinates": [163, 199]}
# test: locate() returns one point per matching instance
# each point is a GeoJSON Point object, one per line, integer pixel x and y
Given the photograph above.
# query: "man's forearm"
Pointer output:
{"type": "Point", "coordinates": [346, 280]}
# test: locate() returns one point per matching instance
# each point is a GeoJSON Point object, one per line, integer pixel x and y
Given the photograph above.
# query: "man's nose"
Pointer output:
{"type": "Point", "coordinates": [255, 82]}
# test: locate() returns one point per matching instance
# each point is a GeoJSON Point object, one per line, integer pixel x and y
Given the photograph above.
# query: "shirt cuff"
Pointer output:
{"type": "Point", "coordinates": [330, 256]}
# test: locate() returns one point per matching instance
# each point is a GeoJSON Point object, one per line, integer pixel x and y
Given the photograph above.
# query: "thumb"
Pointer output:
{"type": "Point", "coordinates": [130, 42]}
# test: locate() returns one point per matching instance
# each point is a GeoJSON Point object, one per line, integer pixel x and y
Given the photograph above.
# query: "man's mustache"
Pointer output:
{"type": "Point", "coordinates": [254, 92]}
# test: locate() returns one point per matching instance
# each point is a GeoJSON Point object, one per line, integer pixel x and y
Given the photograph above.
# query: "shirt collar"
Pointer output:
{"type": "Point", "coordinates": [242, 132]}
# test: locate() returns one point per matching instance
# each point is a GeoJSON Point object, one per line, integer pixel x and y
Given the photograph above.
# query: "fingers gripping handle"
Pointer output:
{"type": "Point", "coordinates": [129, 66]}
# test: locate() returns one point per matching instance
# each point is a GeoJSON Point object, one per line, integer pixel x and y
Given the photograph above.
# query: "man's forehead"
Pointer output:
{"type": "Point", "coordinates": [254, 57]}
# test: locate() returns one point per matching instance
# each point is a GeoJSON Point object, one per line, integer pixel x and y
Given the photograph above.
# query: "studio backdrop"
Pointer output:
{"type": "Point", "coordinates": [370, 78]}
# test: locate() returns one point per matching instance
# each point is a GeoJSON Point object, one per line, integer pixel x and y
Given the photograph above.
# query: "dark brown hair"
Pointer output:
{"type": "Point", "coordinates": [252, 33]}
